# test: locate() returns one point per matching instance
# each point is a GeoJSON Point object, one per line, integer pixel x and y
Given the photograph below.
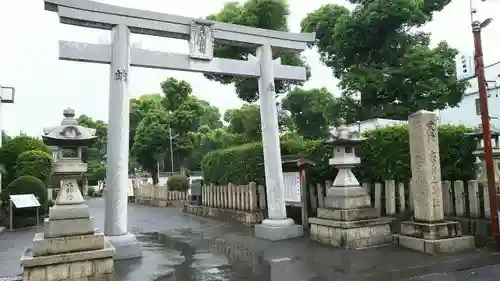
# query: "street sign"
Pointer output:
{"type": "Point", "coordinates": [478, 106]}
{"type": "Point", "coordinates": [465, 66]}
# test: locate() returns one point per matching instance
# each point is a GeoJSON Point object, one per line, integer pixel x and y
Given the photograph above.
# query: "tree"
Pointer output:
{"type": "Point", "coordinates": [175, 93]}
{"type": "Point", "coordinates": [11, 151]}
{"type": "Point", "coordinates": [377, 54]}
{"type": "Point", "coordinates": [5, 137]}
{"type": "Point", "coordinates": [344, 107]}
{"type": "Point", "coordinates": [151, 140]}
{"type": "Point", "coordinates": [308, 108]}
{"type": "Point", "coordinates": [139, 108]}
{"type": "Point", "coordinates": [267, 14]}
{"type": "Point", "coordinates": [186, 114]}
{"type": "Point", "coordinates": [206, 140]}
{"type": "Point", "coordinates": [245, 121]}
{"type": "Point", "coordinates": [211, 115]}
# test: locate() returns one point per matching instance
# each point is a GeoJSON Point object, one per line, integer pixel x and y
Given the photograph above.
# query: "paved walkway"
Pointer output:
{"type": "Point", "coordinates": [181, 247]}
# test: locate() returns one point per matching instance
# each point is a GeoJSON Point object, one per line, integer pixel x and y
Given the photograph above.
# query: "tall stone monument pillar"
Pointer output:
{"type": "Point", "coordinates": [116, 216]}
{"type": "Point", "coordinates": [429, 232]}
{"type": "Point", "coordinates": [278, 226]}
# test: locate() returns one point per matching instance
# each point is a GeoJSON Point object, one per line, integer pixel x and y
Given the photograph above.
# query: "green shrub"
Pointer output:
{"type": "Point", "coordinates": [384, 155]}
{"type": "Point", "coordinates": [178, 183]}
{"type": "Point", "coordinates": [11, 150]}
{"type": "Point", "coordinates": [26, 185]}
{"type": "Point", "coordinates": [91, 192]}
{"type": "Point", "coordinates": [35, 163]}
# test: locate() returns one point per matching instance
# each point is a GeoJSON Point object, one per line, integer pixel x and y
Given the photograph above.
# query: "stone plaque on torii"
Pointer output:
{"type": "Point", "coordinates": [202, 34]}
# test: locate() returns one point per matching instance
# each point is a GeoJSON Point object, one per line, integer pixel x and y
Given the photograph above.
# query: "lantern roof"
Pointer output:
{"type": "Point", "coordinates": [344, 136]}
{"type": "Point", "coordinates": [69, 133]}
{"type": "Point", "coordinates": [478, 131]}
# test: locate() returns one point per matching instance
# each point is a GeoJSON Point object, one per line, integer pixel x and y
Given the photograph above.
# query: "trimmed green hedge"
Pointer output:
{"type": "Point", "coordinates": [11, 150]}
{"type": "Point", "coordinates": [35, 163]}
{"type": "Point", "coordinates": [241, 164]}
{"type": "Point", "coordinates": [385, 155]}
{"type": "Point", "coordinates": [178, 183]}
{"type": "Point", "coordinates": [27, 185]}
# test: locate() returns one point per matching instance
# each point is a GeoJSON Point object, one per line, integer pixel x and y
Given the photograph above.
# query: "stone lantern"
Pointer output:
{"type": "Point", "coordinates": [69, 247]}
{"type": "Point", "coordinates": [479, 153]}
{"type": "Point", "coordinates": [348, 220]}
{"type": "Point", "coordinates": [480, 164]}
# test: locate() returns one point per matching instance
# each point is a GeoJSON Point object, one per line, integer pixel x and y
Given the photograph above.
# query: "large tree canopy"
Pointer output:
{"type": "Point", "coordinates": [245, 121]}
{"type": "Point", "coordinates": [307, 108]}
{"type": "Point", "coordinates": [175, 110]}
{"type": "Point", "coordinates": [377, 53]}
{"type": "Point", "coordinates": [268, 14]}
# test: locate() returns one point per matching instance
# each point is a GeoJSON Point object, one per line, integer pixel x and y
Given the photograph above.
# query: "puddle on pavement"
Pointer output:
{"type": "Point", "coordinates": [184, 255]}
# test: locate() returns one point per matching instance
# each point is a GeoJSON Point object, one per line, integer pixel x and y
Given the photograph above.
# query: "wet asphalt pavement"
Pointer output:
{"type": "Point", "coordinates": [181, 247]}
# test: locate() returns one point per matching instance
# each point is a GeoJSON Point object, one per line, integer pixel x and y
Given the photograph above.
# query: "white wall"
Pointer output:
{"type": "Point", "coordinates": [465, 113]}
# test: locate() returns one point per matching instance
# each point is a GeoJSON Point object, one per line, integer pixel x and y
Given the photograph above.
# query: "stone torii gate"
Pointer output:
{"type": "Point", "coordinates": [202, 34]}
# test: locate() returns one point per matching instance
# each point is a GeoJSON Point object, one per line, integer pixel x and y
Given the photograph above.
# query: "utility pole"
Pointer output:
{"type": "Point", "coordinates": [171, 150]}
{"type": "Point", "coordinates": [485, 121]}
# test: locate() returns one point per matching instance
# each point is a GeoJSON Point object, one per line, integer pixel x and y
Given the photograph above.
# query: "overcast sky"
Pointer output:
{"type": "Point", "coordinates": [45, 86]}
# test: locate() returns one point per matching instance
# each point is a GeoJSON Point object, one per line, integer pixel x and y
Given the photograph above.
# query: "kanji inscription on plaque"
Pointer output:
{"type": "Point", "coordinates": [201, 40]}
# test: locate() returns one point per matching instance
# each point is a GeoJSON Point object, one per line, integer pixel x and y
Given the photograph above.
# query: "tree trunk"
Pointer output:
{"type": "Point", "coordinates": [154, 175]}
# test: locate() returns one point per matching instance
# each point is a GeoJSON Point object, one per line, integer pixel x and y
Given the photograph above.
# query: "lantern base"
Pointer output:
{"type": "Point", "coordinates": [355, 197]}
{"type": "Point", "coordinates": [357, 234]}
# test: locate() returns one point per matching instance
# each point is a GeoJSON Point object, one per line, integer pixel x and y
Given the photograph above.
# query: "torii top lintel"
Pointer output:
{"type": "Point", "coordinates": [104, 16]}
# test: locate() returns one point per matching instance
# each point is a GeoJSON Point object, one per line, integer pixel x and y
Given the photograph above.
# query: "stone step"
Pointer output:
{"type": "Point", "coordinates": [72, 227]}
{"type": "Point", "coordinates": [59, 245]}
{"type": "Point", "coordinates": [348, 214]}
{"type": "Point", "coordinates": [28, 260]}
{"type": "Point", "coordinates": [64, 212]}
{"type": "Point", "coordinates": [350, 224]}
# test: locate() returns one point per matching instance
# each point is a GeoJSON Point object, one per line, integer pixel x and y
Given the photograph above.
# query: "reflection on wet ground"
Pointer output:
{"type": "Point", "coordinates": [182, 247]}
{"type": "Point", "coordinates": [184, 255]}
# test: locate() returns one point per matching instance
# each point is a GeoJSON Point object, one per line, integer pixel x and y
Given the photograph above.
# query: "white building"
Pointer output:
{"type": "Point", "coordinates": [372, 124]}
{"type": "Point", "coordinates": [465, 113]}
